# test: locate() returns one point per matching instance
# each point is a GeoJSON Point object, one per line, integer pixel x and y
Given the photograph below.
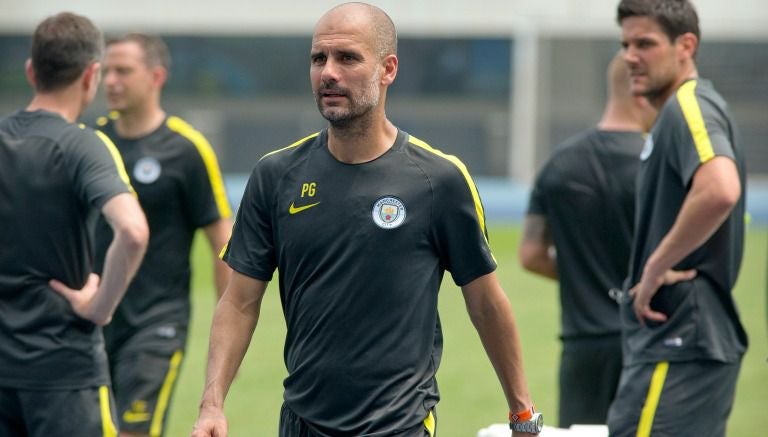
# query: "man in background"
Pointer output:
{"type": "Point", "coordinates": [683, 340]}
{"type": "Point", "coordinates": [55, 177]}
{"type": "Point", "coordinates": [578, 231]}
{"type": "Point", "coordinates": [177, 178]}
{"type": "Point", "coordinates": [361, 220]}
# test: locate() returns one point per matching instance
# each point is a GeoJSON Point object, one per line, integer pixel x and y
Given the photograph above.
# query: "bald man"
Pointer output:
{"type": "Point", "coordinates": [361, 220]}
{"type": "Point", "coordinates": [578, 231]}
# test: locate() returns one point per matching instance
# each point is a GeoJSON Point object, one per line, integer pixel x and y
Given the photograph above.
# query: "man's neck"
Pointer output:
{"type": "Point", "coordinates": [690, 72]}
{"type": "Point", "coordinates": [619, 118]}
{"type": "Point", "coordinates": [66, 103]}
{"type": "Point", "coordinates": [362, 142]}
{"type": "Point", "coordinates": [136, 124]}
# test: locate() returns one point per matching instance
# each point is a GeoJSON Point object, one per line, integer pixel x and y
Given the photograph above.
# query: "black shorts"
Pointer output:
{"type": "Point", "coordinates": [674, 399]}
{"type": "Point", "coordinates": [590, 368]}
{"type": "Point", "coordinates": [292, 425]}
{"type": "Point", "coordinates": [144, 371]}
{"type": "Point", "coordinates": [88, 412]}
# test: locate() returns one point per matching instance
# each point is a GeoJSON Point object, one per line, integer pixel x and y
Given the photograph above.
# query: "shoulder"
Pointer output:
{"type": "Point", "coordinates": [446, 173]}
{"type": "Point", "coordinates": [83, 137]}
{"type": "Point", "coordinates": [695, 99]}
{"type": "Point", "coordinates": [576, 143]}
{"type": "Point", "coordinates": [185, 133]}
{"type": "Point", "coordinates": [285, 156]}
{"type": "Point", "coordinates": [567, 156]}
{"type": "Point", "coordinates": [432, 159]}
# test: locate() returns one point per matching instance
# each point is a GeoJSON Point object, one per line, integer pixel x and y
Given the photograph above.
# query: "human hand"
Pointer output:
{"type": "Point", "coordinates": [80, 300]}
{"type": "Point", "coordinates": [210, 423]}
{"type": "Point", "coordinates": [648, 286]}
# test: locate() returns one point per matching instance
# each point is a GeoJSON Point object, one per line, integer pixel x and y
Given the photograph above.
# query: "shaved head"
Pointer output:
{"type": "Point", "coordinates": [382, 29]}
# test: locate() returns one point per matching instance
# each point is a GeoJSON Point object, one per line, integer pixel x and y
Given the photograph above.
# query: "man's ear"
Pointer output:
{"type": "Point", "coordinates": [687, 44]}
{"type": "Point", "coordinates": [390, 69]}
{"type": "Point", "coordinates": [159, 75]}
{"type": "Point", "coordinates": [29, 70]}
{"type": "Point", "coordinates": [92, 76]}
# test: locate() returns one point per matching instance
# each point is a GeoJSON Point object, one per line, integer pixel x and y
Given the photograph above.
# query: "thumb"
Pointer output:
{"type": "Point", "coordinates": [60, 288]}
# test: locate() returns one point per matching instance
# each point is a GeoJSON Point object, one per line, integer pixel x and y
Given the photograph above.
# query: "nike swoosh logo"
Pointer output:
{"type": "Point", "coordinates": [295, 210]}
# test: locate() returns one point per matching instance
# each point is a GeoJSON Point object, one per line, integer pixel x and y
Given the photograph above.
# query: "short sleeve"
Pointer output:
{"type": "Point", "coordinates": [97, 169]}
{"type": "Point", "coordinates": [459, 227]}
{"type": "Point", "coordinates": [251, 249]}
{"type": "Point", "coordinates": [703, 134]}
{"type": "Point", "coordinates": [204, 192]}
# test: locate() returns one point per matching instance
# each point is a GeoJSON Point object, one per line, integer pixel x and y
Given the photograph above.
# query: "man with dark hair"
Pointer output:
{"type": "Point", "coordinates": [578, 230]}
{"type": "Point", "coordinates": [361, 220]}
{"type": "Point", "coordinates": [683, 337]}
{"type": "Point", "coordinates": [55, 176]}
{"type": "Point", "coordinates": [176, 176]}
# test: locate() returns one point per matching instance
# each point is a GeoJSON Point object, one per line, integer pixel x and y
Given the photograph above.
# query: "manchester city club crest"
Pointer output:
{"type": "Point", "coordinates": [147, 170]}
{"type": "Point", "coordinates": [388, 212]}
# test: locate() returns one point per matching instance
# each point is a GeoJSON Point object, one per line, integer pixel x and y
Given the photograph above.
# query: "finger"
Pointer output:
{"type": "Point", "coordinates": [638, 310]}
{"type": "Point", "coordinates": [633, 291]}
{"type": "Point", "coordinates": [60, 288]}
{"type": "Point", "coordinates": [93, 282]}
{"type": "Point", "coordinates": [675, 276]}
{"type": "Point", "coordinates": [654, 315]}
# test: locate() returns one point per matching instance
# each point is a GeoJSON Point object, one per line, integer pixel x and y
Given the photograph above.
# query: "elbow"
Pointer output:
{"type": "Point", "coordinates": [724, 200]}
{"type": "Point", "coordinates": [532, 257]}
{"type": "Point", "coordinates": [136, 235]}
{"type": "Point", "coordinates": [526, 257]}
{"type": "Point", "coordinates": [101, 320]}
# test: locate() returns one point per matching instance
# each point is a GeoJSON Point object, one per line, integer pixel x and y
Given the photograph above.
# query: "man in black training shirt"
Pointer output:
{"type": "Point", "coordinates": [581, 209]}
{"type": "Point", "coordinates": [177, 179]}
{"type": "Point", "coordinates": [683, 338]}
{"type": "Point", "coordinates": [55, 177]}
{"type": "Point", "coordinates": [361, 220]}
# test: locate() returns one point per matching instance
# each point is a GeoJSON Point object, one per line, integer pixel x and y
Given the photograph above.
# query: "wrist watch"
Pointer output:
{"type": "Point", "coordinates": [528, 421]}
{"type": "Point", "coordinates": [532, 426]}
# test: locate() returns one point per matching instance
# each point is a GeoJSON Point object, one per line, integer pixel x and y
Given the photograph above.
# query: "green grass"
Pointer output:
{"type": "Point", "coordinates": [471, 396]}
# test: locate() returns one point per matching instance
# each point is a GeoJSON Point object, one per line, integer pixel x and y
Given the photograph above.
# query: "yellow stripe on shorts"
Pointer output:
{"type": "Point", "coordinates": [429, 424]}
{"type": "Point", "coordinates": [156, 429]}
{"type": "Point", "coordinates": [652, 399]}
{"type": "Point", "coordinates": [108, 428]}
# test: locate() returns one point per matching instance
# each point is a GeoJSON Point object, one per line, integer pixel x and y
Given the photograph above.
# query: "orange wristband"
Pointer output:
{"type": "Point", "coordinates": [522, 416]}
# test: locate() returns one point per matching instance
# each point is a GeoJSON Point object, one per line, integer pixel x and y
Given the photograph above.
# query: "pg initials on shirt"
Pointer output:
{"type": "Point", "coordinates": [308, 189]}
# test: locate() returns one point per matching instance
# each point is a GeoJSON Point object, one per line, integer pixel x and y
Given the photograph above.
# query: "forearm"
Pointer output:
{"type": "Point", "coordinates": [123, 257]}
{"type": "Point", "coordinates": [234, 322]}
{"type": "Point", "coordinates": [491, 314]}
{"type": "Point", "coordinates": [536, 251]}
{"type": "Point", "coordinates": [538, 259]}
{"type": "Point", "coordinates": [714, 192]}
{"type": "Point", "coordinates": [122, 260]}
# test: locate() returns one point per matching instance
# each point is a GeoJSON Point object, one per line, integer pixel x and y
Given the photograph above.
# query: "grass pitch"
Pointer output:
{"type": "Point", "coordinates": [471, 395]}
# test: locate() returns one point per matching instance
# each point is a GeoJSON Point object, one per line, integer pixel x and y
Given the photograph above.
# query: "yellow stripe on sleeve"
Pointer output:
{"type": "Point", "coordinates": [156, 428]}
{"type": "Point", "coordinates": [117, 158]}
{"type": "Point", "coordinates": [108, 428]}
{"type": "Point", "coordinates": [292, 145]}
{"type": "Point", "coordinates": [209, 159]}
{"type": "Point", "coordinates": [455, 161]}
{"type": "Point", "coordinates": [686, 96]}
{"type": "Point", "coordinates": [652, 400]}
